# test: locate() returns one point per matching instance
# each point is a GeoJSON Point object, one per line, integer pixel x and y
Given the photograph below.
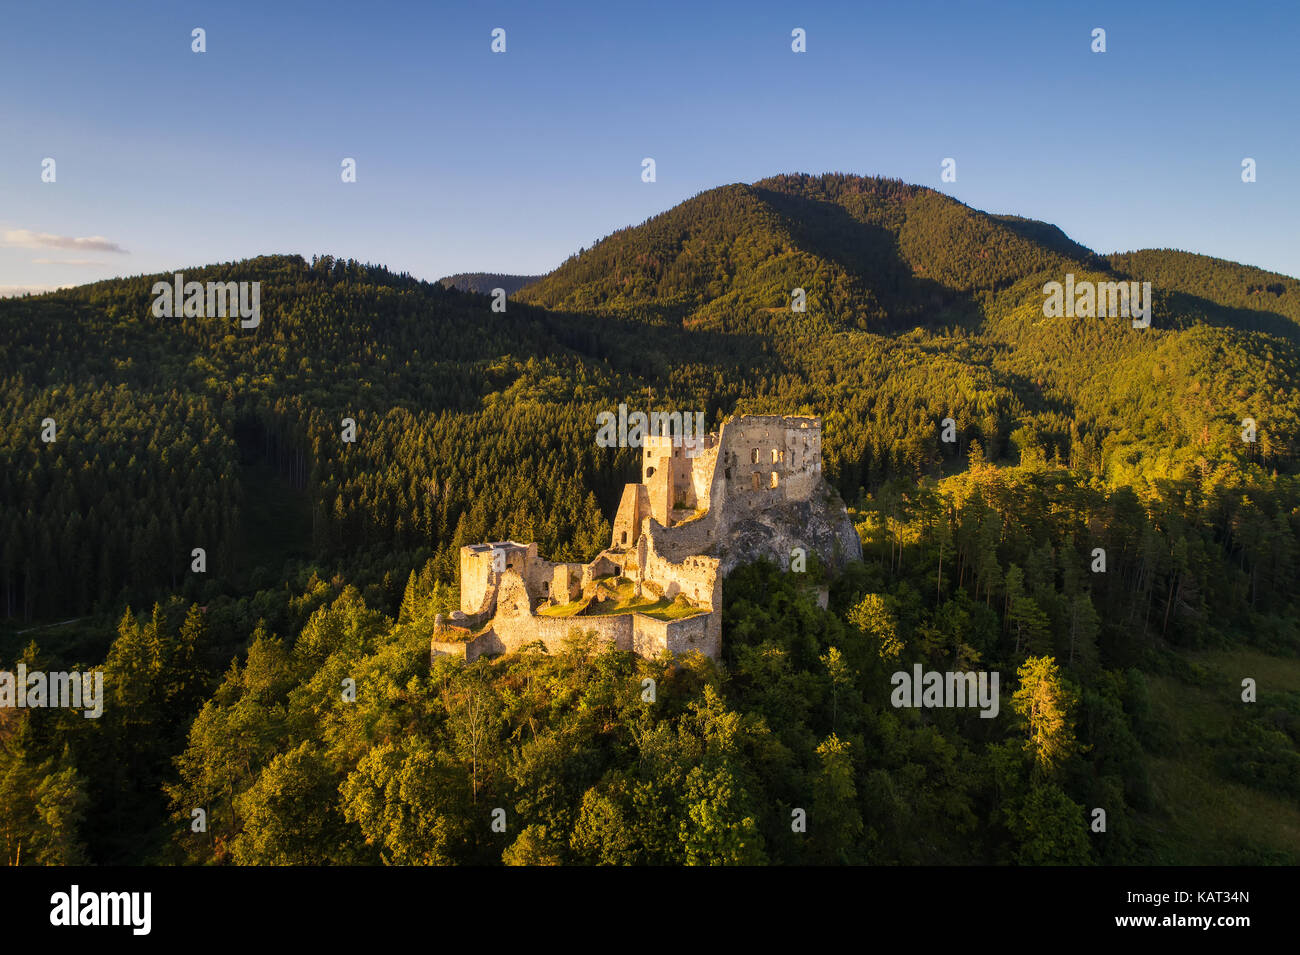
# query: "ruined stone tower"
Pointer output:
{"type": "Point", "coordinates": [703, 506]}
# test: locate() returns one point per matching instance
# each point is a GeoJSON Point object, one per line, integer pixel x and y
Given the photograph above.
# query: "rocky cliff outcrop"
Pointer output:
{"type": "Point", "coordinates": [819, 525]}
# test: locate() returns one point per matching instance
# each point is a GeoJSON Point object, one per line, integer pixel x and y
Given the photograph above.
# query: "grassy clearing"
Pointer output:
{"type": "Point", "coordinates": [1204, 818]}
{"type": "Point", "coordinates": [619, 596]}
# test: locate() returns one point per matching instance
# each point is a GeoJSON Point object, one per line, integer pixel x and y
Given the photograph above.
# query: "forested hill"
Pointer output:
{"type": "Point", "coordinates": [986, 450]}
{"type": "Point", "coordinates": [872, 253]}
{"type": "Point", "coordinates": [875, 254]}
{"type": "Point", "coordinates": [1230, 285]}
{"type": "Point", "coordinates": [484, 282]}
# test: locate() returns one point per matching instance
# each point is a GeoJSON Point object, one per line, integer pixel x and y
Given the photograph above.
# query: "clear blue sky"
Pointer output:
{"type": "Point", "coordinates": [472, 161]}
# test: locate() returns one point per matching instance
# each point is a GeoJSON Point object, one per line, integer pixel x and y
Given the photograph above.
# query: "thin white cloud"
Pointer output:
{"type": "Point", "coordinates": [27, 239]}
{"type": "Point", "coordinates": [10, 291]}
{"type": "Point", "coordinates": [67, 262]}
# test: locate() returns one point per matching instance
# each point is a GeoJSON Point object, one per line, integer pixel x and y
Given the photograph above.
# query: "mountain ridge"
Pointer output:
{"type": "Point", "coordinates": [870, 252]}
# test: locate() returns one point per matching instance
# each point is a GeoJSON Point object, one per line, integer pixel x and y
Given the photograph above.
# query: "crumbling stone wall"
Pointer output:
{"type": "Point", "coordinates": [450, 648]}
{"type": "Point", "coordinates": [479, 566]}
{"type": "Point", "coordinates": [508, 634]}
{"type": "Point", "coordinates": [678, 477]}
{"type": "Point", "coordinates": [695, 576]}
{"type": "Point", "coordinates": [702, 633]}
{"type": "Point", "coordinates": [633, 508]}
{"type": "Point", "coordinates": [767, 460]}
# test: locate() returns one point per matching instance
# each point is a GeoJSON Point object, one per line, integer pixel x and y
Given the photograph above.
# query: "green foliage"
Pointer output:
{"type": "Point", "coordinates": [1263, 757]}
{"type": "Point", "coordinates": [1045, 707]}
{"type": "Point", "coordinates": [873, 620]}
{"type": "Point", "coordinates": [1051, 829]}
{"type": "Point", "coordinates": [329, 561]}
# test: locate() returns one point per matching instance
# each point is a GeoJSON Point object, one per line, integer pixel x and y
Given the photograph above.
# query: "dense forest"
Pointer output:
{"type": "Point", "coordinates": [484, 282]}
{"type": "Point", "coordinates": [127, 441]}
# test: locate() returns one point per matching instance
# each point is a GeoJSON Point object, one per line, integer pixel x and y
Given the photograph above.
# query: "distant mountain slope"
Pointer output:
{"type": "Point", "coordinates": [869, 253]}
{"type": "Point", "coordinates": [695, 252]}
{"type": "Point", "coordinates": [939, 238]}
{"type": "Point", "coordinates": [1229, 284]}
{"type": "Point", "coordinates": [484, 282]}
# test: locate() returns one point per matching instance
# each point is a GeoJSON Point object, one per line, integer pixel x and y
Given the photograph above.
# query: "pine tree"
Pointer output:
{"type": "Point", "coordinates": [1045, 707]}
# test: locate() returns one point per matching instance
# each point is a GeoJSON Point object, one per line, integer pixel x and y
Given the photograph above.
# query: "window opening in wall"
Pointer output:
{"type": "Point", "coordinates": [753, 456]}
{"type": "Point", "coordinates": [774, 479]}
{"type": "Point", "coordinates": [756, 479]}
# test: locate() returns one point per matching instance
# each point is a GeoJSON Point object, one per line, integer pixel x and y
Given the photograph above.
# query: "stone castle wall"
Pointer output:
{"type": "Point", "coordinates": [769, 459]}
{"type": "Point", "coordinates": [507, 635]}
{"type": "Point", "coordinates": [633, 632]}
{"type": "Point", "coordinates": [678, 476]}
{"type": "Point", "coordinates": [651, 637]}
{"type": "Point", "coordinates": [696, 577]}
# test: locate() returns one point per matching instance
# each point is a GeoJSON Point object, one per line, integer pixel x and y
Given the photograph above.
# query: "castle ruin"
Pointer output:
{"type": "Point", "coordinates": [703, 507]}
